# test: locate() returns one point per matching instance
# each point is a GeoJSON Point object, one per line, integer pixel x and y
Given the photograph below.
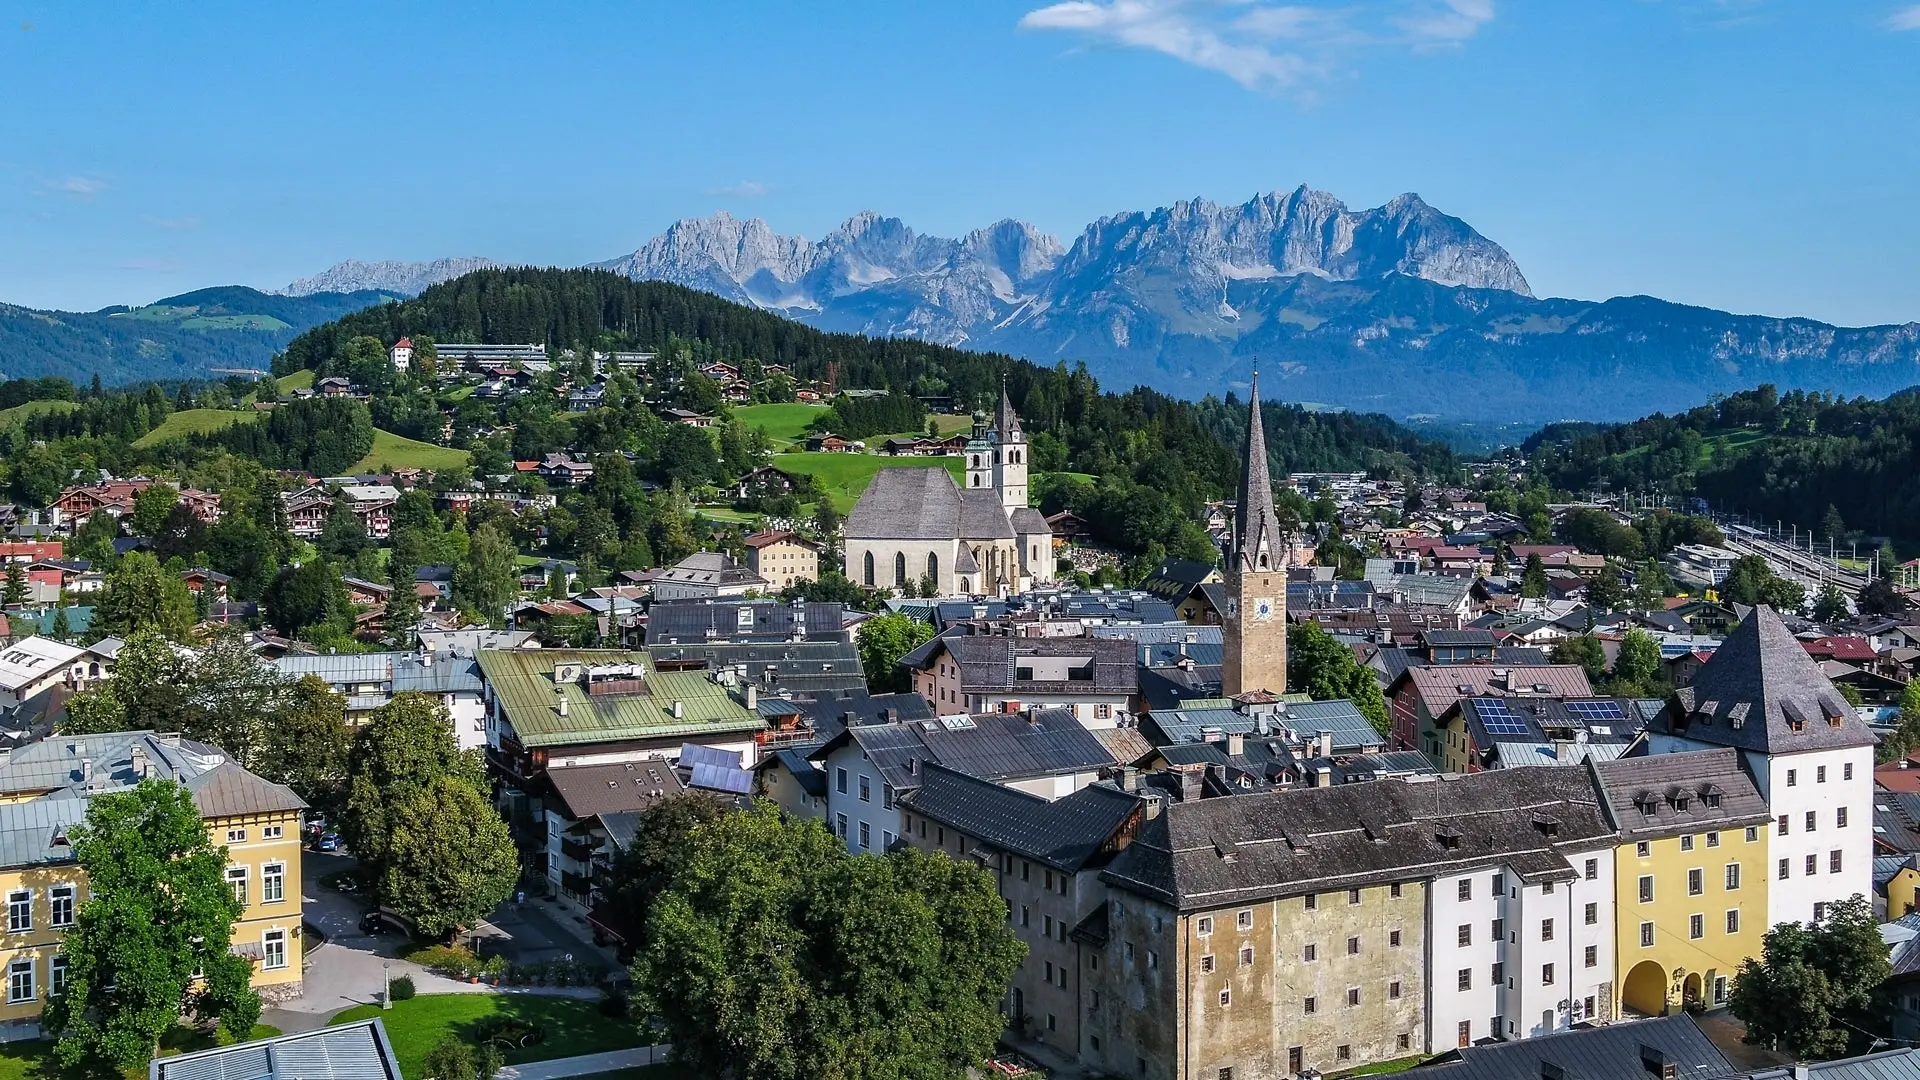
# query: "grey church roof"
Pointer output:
{"type": "Point", "coordinates": [1761, 691]}
{"type": "Point", "coordinates": [982, 517]}
{"type": "Point", "coordinates": [921, 503]}
{"type": "Point", "coordinates": [1029, 522]}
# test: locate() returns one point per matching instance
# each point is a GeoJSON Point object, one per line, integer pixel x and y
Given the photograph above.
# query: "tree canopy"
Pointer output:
{"type": "Point", "coordinates": [1817, 990]}
{"type": "Point", "coordinates": [1319, 665]}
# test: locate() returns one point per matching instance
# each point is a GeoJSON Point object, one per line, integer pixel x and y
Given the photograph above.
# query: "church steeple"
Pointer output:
{"type": "Point", "coordinates": [1253, 629]}
{"type": "Point", "coordinates": [1005, 420]}
{"type": "Point", "coordinates": [1009, 453]}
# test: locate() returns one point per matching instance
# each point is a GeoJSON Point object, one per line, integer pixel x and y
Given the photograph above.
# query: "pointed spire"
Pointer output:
{"type": "Point", "coordinates": [1005, 420]}
{"type": "Point", "coordinates": [1258, 544]}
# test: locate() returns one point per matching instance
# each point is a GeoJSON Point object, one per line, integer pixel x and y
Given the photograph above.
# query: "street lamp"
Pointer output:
{"type": "Point", "coordinates": [386, 971]}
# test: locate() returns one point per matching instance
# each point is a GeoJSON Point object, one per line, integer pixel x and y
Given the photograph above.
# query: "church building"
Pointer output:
{"type": "Point", "coordinates": [1253, 628]}
{"type": "Point", "coordinates": [914, 524]}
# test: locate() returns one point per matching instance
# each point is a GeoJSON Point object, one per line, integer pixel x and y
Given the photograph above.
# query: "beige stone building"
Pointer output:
{"type": "Point", "coordinates": [1253, 628]}
{"type": "Point", "coordinates": [783, 557]}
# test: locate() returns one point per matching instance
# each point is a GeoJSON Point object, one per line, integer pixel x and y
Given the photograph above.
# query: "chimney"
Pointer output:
{"type": "Point", "coordinates": [86, 770]}
{"type": "Point", "coordinates": [1325, 740]}
{"type": "Point", "coordinates": [1658, 1063]}
{"type": "Point", "coordinates": [1323, 776]}
{"type": "Point", "coordinates": [1562, 749]}
{"type": "Point", "coordinates": [561, 705]}
{"type": "Point", "coordinates": [753, 696]}
{"type": "Point", "coordinates": [1236, 744]}
{"type": "Point", "coordinates": [1191, 778]}
{"type": "Point", "coordinates": [142, 768]}
{"type": "Point", "coordinates": [1129, 778]}
{"type": "Point", "coordinates": [1261, 725]}
{"type": "Point", "coordinates": [679, 709]}
{"type": "Point", "coordinates": [1551, 1071]}
{"type": "Point", "coordinates": [426, 657]}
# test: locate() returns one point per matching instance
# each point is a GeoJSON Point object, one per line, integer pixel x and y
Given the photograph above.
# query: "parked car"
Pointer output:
{"type": "Point", "coordinates": [327, 841]}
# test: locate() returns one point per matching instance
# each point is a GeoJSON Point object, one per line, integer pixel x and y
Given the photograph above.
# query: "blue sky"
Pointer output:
{"type": "Point", "coordinates": [1754, 155]}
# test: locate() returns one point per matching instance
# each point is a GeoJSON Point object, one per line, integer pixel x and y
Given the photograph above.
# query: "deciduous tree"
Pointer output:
{"type": "Point", "coordinates": [1817, 990]}
{"type": "Point", "coordinates": [489, 575]}
{"type": "Point", "coordinates": [141, 594]}
{"type": "Point", "coordinates": [1323, 668]}
{"type": "Point", "coordinates": [883, 640]}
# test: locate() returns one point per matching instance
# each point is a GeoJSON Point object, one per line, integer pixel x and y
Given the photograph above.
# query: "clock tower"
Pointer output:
{"type": "Point", "coordinates": [1253, 629]}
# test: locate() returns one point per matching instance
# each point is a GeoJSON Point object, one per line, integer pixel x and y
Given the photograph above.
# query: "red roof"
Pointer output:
{"type": "Point", "coordinates": [1445, 552]}
{"type": "Point", "coordinates": [1841, 648]}
{"type": "Point", "coordinates": [1898, 775]}
{"type": "Point", "coordinates": [403, 343]}
{"type": "Point", "coordinates": [1521, 551]}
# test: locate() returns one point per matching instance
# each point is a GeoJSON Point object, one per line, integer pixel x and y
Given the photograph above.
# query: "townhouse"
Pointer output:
{"type": "Point", "coordinates": [1419, 697]}
{"type": "Point", "coordinates": [1692, 872]}
{"type": "Point", "coordinates": [45, 788]}
{"type": "Point", "coordinates": [783, 557]}
{"type": "Point", "coordinates": [1093, 678]}
{"type": "Point", "coordinates": [370, 680]}
{"type": "Point", "coordinates": [1806, 749]}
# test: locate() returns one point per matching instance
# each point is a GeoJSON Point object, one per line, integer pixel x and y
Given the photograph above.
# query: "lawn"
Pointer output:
{"type": "Point", "coordinates": [35, 408]}
{"type": "Point", "coordinates": [191, 422]}
{"type": "Point", "coordinates": [33, 1058]}
{"type": "Point", "coordinates": [572, 1026]}
{"type": "Point", "coordinates": [299, 380]}
{"type": "Point", "coordinates": [785, 424]}
{"type": "Point", "coordinates": [845, 476]}
{"type": "Point", "coordinates": [945, 423]}
{"type": "Point", "coordinates": [395, 451]}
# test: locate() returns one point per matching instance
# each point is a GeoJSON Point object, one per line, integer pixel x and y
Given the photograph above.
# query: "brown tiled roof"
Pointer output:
{"type": "Point", "coordinates": [586, 790]}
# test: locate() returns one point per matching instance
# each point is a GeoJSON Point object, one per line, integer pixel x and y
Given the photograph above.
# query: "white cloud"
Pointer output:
{"type": "Point", "coordinates": [1261, 45]}
{"type": "Point", "coordinates": [1905, 19]}
{"type": "Point", "coordinates": [745, 189]}
{"type": "Point", "coordinates": [80, 187]}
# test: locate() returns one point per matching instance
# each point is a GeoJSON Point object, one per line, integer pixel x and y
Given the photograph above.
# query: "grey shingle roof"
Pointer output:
{"type": "Point", "coordinates": [982, 517]}
{"type": "Point", "coordinates": [1064, 834]}
{"type": "Point", "coordinates": [1669, 794]}
{"type": "Point", "coordinates": [1222, 851]}
{"type": "Point", "coordinates": [586, 790]}
{"type": "Point", "coordinates": [1030, 522]}
{"type": "Point", "coordinates": [921, 503]}
{"type": "Point", "coordinates": [991, 746]}
{"type": "Point", "coordinates": [1599, 1053]}
{"type": "Point", "coordinates": [990, 663]}
{"type": "Point", "coordinates": [1352, 732]}
{"type": "Point", "coordinates": [1761, 691]}
{"type": "Point", "coordinates": [698, 621]}
{"type": "Point", "coordinates": [1902, 1064]}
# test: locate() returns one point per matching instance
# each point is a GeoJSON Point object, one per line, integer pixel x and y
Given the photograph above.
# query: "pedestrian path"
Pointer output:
{"type": "Point", "coordinates": [586, 1064]}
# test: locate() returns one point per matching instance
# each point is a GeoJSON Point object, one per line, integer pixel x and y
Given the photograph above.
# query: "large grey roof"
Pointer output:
{"type": "Point", "coordinates": [1902, 1064]}
{"type": "Point", "coordinates": [355, 1051]}
{"type": "Point", "coordinates": [1222, 851]}
{"type": "Point", "coordinates": [991, 746]}
{"type": "Point", "coordinates": [982, 516]}
{"type": "Point", "coordinates": [990, 662]}
{"type": "Point", "coordinates": [1761, 691]}
{"type": "Point", "coordinates": [699, 621]}
{"type": "Point", "coordinates": [393, 672]}
{"type": "Point", "coordinates": [1064, 834]}
{"type": "Point", "coordinates": [586, 790]}
{"type": "Point", "coordinates": [1599, 1053]}
{"type": "Point", "coordinates": [1669, 794]}
{"type": "Point", "coordinates": [906, 503]}
{"type": "Point", "coordinates": [1029, 522]}
{"type": "Point", "coordinates": [1304, 719]}
{"type": "Point", "coordinates": [797, 669]}
{"type": "Point", "coordinates": [833, 714]}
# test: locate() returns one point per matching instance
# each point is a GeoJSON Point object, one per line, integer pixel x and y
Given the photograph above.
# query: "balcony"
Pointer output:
{"type": "Point", "coordinates": [578, 850]}
{"type": "Point", "coordinates": [576, 884]}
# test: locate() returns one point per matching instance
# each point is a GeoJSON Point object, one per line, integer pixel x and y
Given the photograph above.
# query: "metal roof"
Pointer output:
{"type": "Point", "coordinates": [1064, 834]}
{"type": "Point", "coordinates": [523, 683]}
{"type": "Point", "coordinates": [1761, 691]}
{"type": "Point", "coordinates": [355, 1051]}
{"type": "Point", "coordinates": [991, 746]}
{"type": "Point", "coordinates": [1598, 1053]}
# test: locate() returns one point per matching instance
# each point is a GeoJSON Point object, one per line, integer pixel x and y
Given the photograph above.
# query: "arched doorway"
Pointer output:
{"type": "Point", "coordinates": [1645, 990]}
{"type": "Point", "coordinates": [1690, 990]}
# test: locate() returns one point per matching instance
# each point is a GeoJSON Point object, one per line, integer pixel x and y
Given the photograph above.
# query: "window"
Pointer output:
{"type": "Point", "coordinates": [1051, 1023]}
{"type": "Point", "coordinates": [273, 944]}
{"type": "Point", "coordinates": [1642, 850]}
{"type": "Point", "coordinates": [236, 836]}
{"type": "Point", "coordinates": [1784, 870]}
{"type": "Point", "coordinates": [1307, 953]}
{"type": "Point", "coordinates": [1246, 956]}
{"type": "Point", "coordinates": [1153, 960]}
{"type": "Point", "coordinates": [1049, 929]}
{"type": "Point", "coordinates": [1733, 920]}
{"type": "Point", "coordinates": [1591, 915]}
{"type": "Point", "coordinates": [1465, 889]}
{"type": "Point", "coordinates": [1464, 936]}
{"type": "Point", "coordinates": [1780, 826]}
{"type": "Point", "coordinates": [1839, 817]}
{"type": "Point", "coordinates": [1353, 896]}
{"type": "Point", "coordinates": [1812, 819]}
{"type": "Point", "coordinates": [57, 976]}
{"type": "Point", "coordinates": [1244, 920]}
{"type": "Point", "coordinates": [1129, 952]}
{"type": "Point", "coordinates": [20, 980]}
{"type": "Point", "coordinates": [1353, 996]}
{"type": "Point", "coordinates": [1696, 882]}
{"type": "Point", "coordinates": [1753, 834]}
{"type": "Point", "coordinates": [1498, 974]}
{"type": "Point", "coordinates": [1393, 890]}
{"type": "Point", "coordinates": [273, 883]}
{"type": "Point", "coordinates": [1793, 777]}
{"type": "Point", "coordinates": [1309, 902]}
{"type": "Point", "coordinates": [1025, 916]}
{"type": "Point", "coordinates": [1696, 927]}
{"type": "Point", "coordinates": [1465, 1033]}
{"type": "Point", "coordinates": [1820, 774]}
{"type": "Point", "coordinates": [1546, 929]}
{"type": "Point", "coordinates": [1646, 935]}
{"type": "Point", "coordinates": [1720, 984]}
{"type": "Point", "coordinates": [1833, 861]}
{"type": "Point", "coordinates": [1404, 1041]}
{"type": "Point", "coordinates": [1205, 926]}
{"type": "Point", "coordinates": [1646, 888]}
{"type": "Point", "coordinates": [1393, 938]}
{"type": "Point", "coordinates": [866, 836]}
{"type": "Point", "coordinates": [1546, 888]}
{"type": "Point", "coordinates": [1813, 864]}
{"type": "Point", "coordinates": [1593, 869]}
{"type": "Point", "coordinates": [1499, 884]}
{"type": "Point", "coordinates": [1713, 839]}
{"type": "Point", "coordinates": [1498, 930]}
{"type": "Point", "coordinates": [866, 789]}
{"type": "Point", "coordinates": [840, 828]}
{"type": "Point", "coordinates": [272, 832]}
{"type": "Point", "coordinates": [1820, 911]}
{"type": "Point", "coordinates": [1463, 980]}
{"type": "Point", "coordinates": [1309, 1006]}
{"type": "Point", "coordinates": [1846, 771]}
{"type": "Point", "coordinates": [60, 900]}
{"type": "Point", "coordinates": [19, 911]}
{"type": "Point", "coordinates": [1393, 990]}
{"type": "Point", "coordinates": [1353, 946]}
{"type": "Point", "coordinates": [1343, 1052]}
{"type": "Point", "coordinates": [1686, 843]}
{"type": "Point", "coordinates": [1591, 956]}
{"type": "Point", "coordinates": [1050, 972]}
{"type": "Point", "coordinates": [840, 781]}
{"type": "Point", "coordinates": [1546, 974]}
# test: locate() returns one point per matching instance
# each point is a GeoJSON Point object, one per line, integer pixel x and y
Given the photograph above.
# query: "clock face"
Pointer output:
{"type": "Point", "coordinates": [1263, 608]}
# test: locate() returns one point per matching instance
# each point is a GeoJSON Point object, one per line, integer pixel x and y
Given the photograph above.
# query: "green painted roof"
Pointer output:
{"type": "Point", "coordinates": [522, 681]}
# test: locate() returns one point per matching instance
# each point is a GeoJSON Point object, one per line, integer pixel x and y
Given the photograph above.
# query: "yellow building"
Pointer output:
{"type": "Point", "coordinates": [1690, 876]}
{"type": "Point", "coordinates": [783, 557]}
{"type": "Point", "coordinates": [1902, 889]}
{"type": "Point", "coordinates": [44, 789]}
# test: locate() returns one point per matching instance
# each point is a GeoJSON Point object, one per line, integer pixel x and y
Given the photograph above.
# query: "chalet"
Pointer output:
{"type": "Point", "coordinates": [827, 442]}
{"type": "Point", "coordinates": [334, 386]}
{"type": "Point", "coordinates": [584, 398]}
{"type": "Point", "coordinates": [764, 480]}
{"type": "Point", "coordinates": [565, 471]}
{"type": "Point", "coordinates": [373, 505]}
{"type": "Point", "coordinates": [687, 417]}
{"type": "Point", "coordinates": [307, 510]}
{"type": "Point", "coordinates": [366, 593]}
{"type": "Point", "coordinates": [899, 446]}
{"type": "Point", "coordinates": [30, 551]}
{"type": "Point", "coordinates": [209, 583]}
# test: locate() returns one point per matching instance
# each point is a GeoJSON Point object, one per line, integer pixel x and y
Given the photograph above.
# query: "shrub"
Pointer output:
{"type": "Point", "coordinates": [453, 961]}
{"type": "Point", "coordinates": [402, 988]}
{"type": "Point", "coordinates": [614, 1004]}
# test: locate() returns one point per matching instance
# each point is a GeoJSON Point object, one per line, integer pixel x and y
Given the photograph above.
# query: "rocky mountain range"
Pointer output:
{"type": "Point", "coordinates": [1400, 308]}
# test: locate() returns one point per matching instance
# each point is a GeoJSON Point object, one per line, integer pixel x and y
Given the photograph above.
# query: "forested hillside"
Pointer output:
{"type": "Point", "coordinates": [1788, 456]}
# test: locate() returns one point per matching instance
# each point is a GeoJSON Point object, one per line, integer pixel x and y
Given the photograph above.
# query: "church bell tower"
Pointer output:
{"type": "Point", "coordinates": [1009, 454]}
{"type": "Point", "coordinates": [1253, 629]}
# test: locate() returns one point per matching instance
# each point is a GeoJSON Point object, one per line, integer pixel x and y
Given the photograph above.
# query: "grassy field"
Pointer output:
{"type": "Point", "coordinates": [299, 380]}
{"type": "Point", "coordinates": [189, 318]}
{"type": "Point", "coordinates": [396, 451]}
{"type": "Point", "coordinates": [32, 1059]}
{"type": "Point", "coordinates": [845, 476]}
{"type": "Point", "coordinates": [572, 1026]}
{"type": "Point", "coordinates": [785, 424]}
{"type": "Point", "coordinates": [35, 408]}
{"type": "Point", "coordinates": [946, 425]}
{"type": "Point", "coordinates": [191, 422]}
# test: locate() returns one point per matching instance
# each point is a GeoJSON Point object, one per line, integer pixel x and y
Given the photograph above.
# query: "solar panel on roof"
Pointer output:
{"type": "Point", "coordinates": [1498, 719]}
{"type": "Point", "coordinates": [728, 778]}
{"type": "Point", "coordinates": [694, 755]}
{"type": "Point", "coordinates": [1597, 710]}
